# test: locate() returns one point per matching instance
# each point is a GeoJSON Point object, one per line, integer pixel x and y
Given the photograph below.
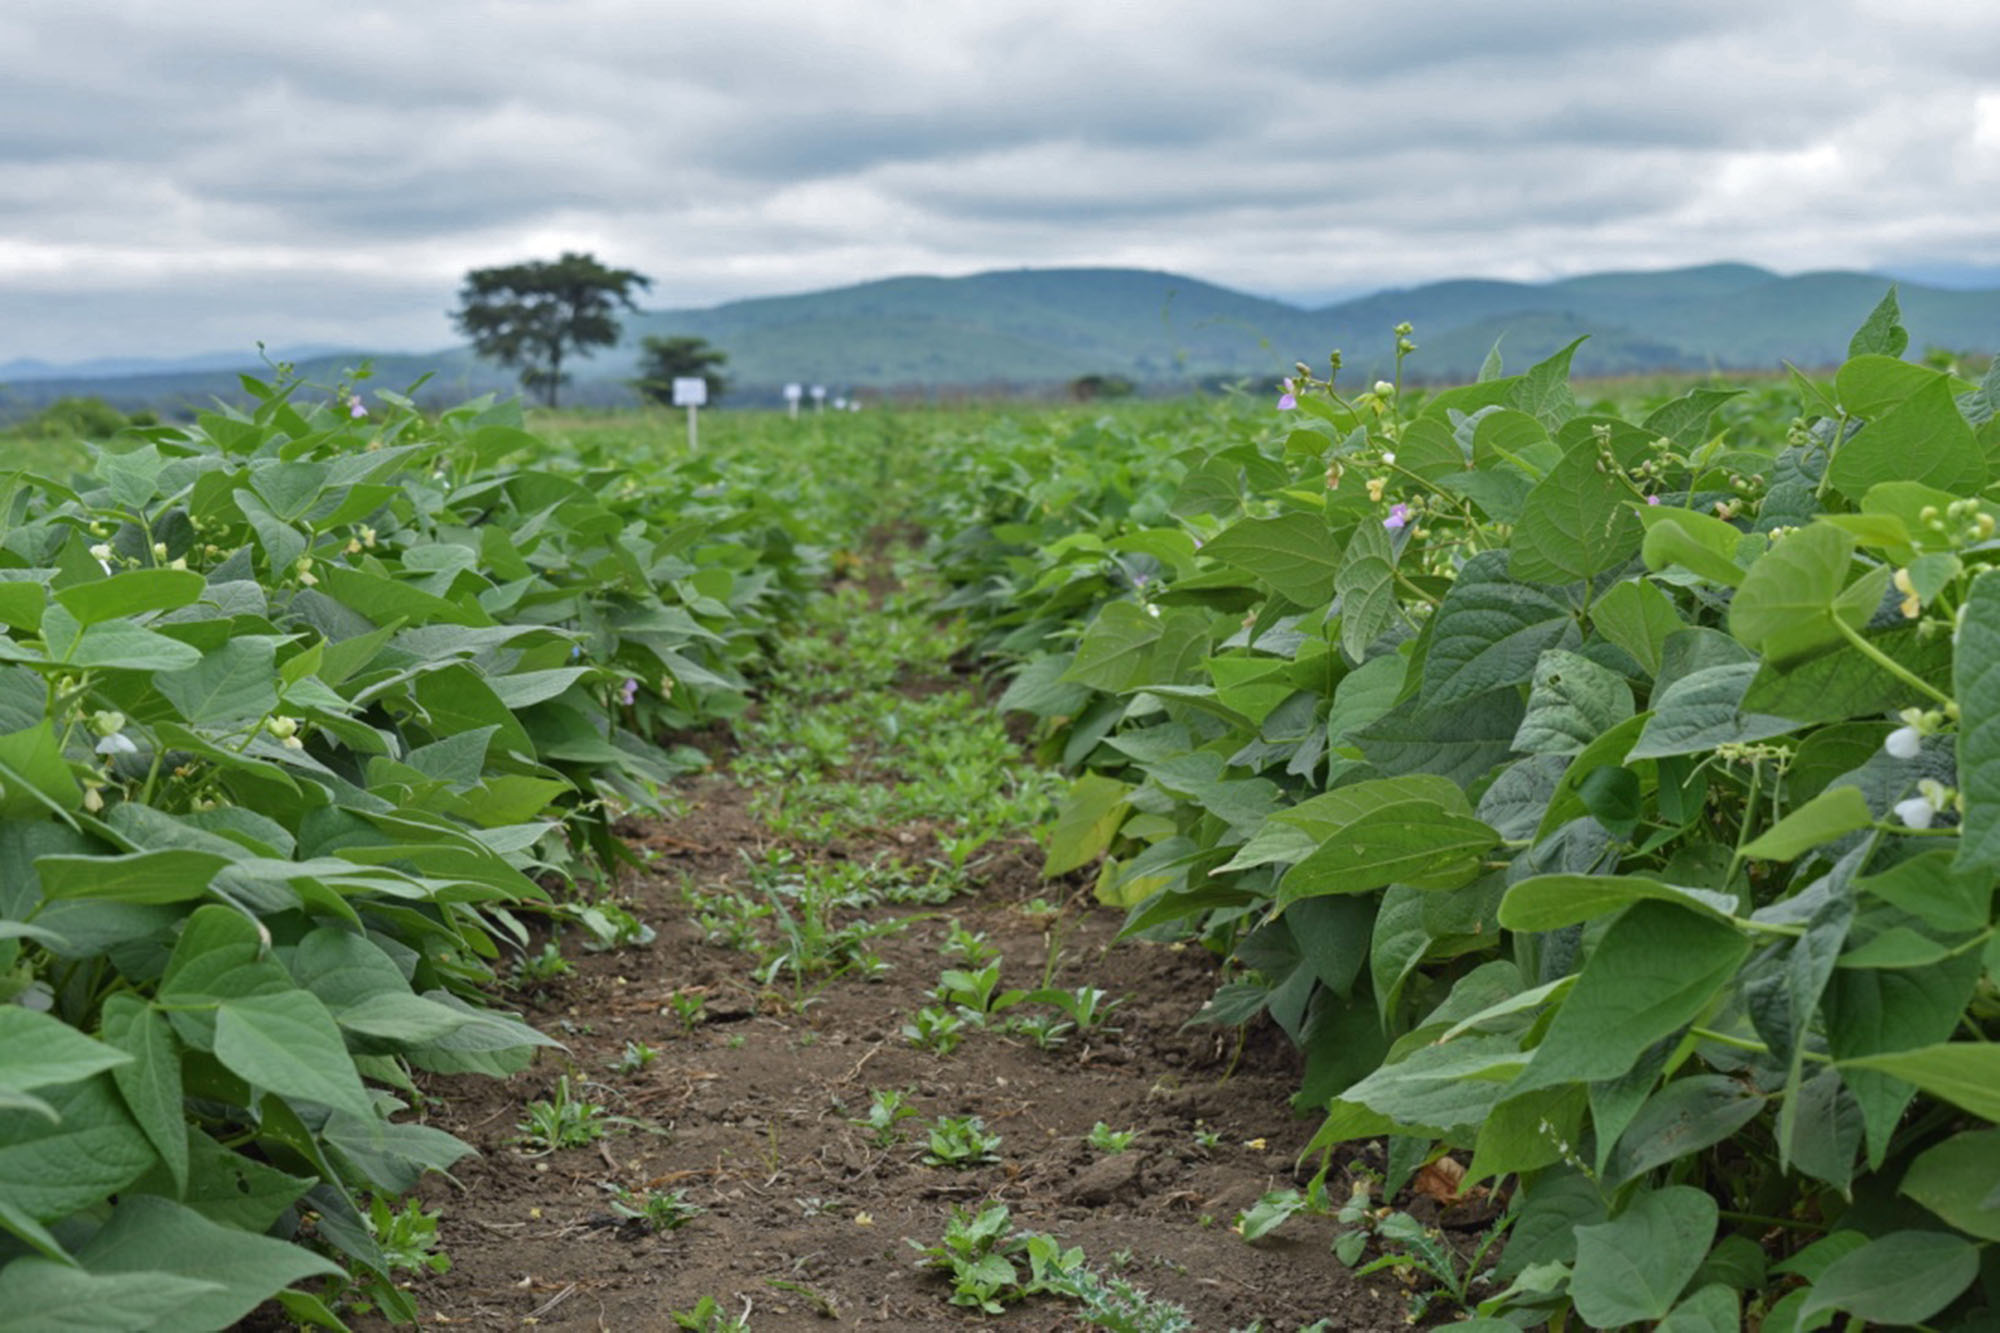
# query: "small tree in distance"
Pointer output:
{"type": "Point", "coordinates": [531, 316]}
{"type": "Point", "coordinates": [663, 360]}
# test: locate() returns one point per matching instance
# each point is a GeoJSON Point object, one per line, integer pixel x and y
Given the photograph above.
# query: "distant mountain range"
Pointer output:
{"type": "Point", "coordinates": [1029, 328]}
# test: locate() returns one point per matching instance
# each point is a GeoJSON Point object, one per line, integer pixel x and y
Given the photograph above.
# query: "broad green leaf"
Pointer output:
{"type": "Point", "coordinates": [287, 1042]}
{"type": "Point", "coordinates": [1366, 585]}
{"type": "Point", "coordinates": [40, 1296]}
{"type": "Point", "coordinates": [131, 593]}
{"type": "Point", "coordinates": [1882, 333]}
{"type": "Point", "coordinates": [1549, 902]}
{"type": "Point", "coordinates": [1543, 390]}
{"type": "Point", "coordinates": [1557, 1204]}
{"type": "Point", "coordinates": [1787, 604]}
{"type": "Point", "coordinates": [1932, 888]}
{"type": "Point", "coordinates": [1684, 1117]}
{"type": "Point", "coordinates": [1704, 709]}
{"type": "Point", "coordinates": [1684, 421]}
{"type": "Point", "coordinates": [35, 779]}
{"type": "Point", "coordinates": [236, 682]}
{"type": "Point", "coordinates": [1922, 439]}
{"type": "Point", "coordinates": [1836, 686]}
{"type": "Point", "coordinates": [1463, 741]}
{"type": "Point", "coordinates": [147, 1233]}
{"type": "Point", "coordinates": [1976, 685]}
{"type": "Point", "coordinates": [1411, 842]}
{"type": "Point", "coordinates": [1871, 1012]}
{"type": "Point", "coordinates": [1832, 814]}
{"type": "Point", "coordinates": [170, 875]}
{"type": "Point", "coordinates": [122, 644]}
{"type": "Point", "coordinates": [1490, 632]}
{"type": "Point", "coordinates": [1114, 651]}
{"type": "Point", "coordinates": [226, 1186]}
{"type": "Point", "coordinates": [1571, 703]}
{"type": "Point", "coordinates": [1902, 1278]}
{"type": "Point", "coordinates": [37, 1050]}
{"type": "Point", "coordinates": [150, 1081]}
{"type": "Point", "coordinates": [1693, 540]}
{"type": "Point", "coordinates": [1966, 1074]}
{"type": "Point", "coordinates": [1578, 521]}
{"type": "Point", "coordinates": [1443, 1086]}
{"type": "Point", "coordinates": [1084, 826]}
{"type": "Point", "coordinates": [1631, 1269]}
{"type": "Point", "coordinates": [49, 1170]}
{"type": "Point", "coordinates": [1608, 750]}
{"type": "Point", "coordinates": [1657, 968]}
{"type": "Point", "coordinates": [1293, 554]}
{"type": "Point", "coordinates": [1638, 617]}
{"type": "Point", "coordinates": [1959, 1180]}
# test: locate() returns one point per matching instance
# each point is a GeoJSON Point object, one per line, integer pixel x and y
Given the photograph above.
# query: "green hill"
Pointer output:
{"type": "Point", "coordinates": [1035, 328]}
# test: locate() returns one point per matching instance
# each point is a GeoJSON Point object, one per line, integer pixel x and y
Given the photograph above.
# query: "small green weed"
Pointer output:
{"type": "Point", "coordinates": [561, 1121]}
{"type": "Point", "coordinates": [636, 1056]}
{"type": "Point", "coordinates": [656, 1210]}
{"type": "Point", "coordinates": [887, 1109]}
{"type": "Point", "coordinates": [1108, 1140]}
{"type": "Point", "coordinates": [539, 969]}
{"type": "Point", "coordinates": [705, 1316]}
{"type": "Point", "coordinates": [935, 1029]}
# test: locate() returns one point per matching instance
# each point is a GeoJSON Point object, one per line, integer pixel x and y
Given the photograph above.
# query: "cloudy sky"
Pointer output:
{"type": "Point", "coordinates": [183, 177]}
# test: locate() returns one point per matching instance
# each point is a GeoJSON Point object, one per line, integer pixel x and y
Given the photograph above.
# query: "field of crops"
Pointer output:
{"type": "Point", "coordinates": [1488, 854]}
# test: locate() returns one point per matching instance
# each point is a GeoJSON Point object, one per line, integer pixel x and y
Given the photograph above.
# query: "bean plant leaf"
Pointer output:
{"type": "Point", "coordinates": [1292, 553]}
{"type": "Point", "coordinates": [1834, 813]}
{"type": "Point", "coordinates": [148, 1233]}
{"type": "Point", "coordinates": [1411, 842]}
{"type": "Point", "coordinates": [40, 1294]}
{"type": "Point", "coordinates": [288, 1042]}
{"type": "Point", "coordinates": [1637, 617]}
{"type": "Point", "coordinates": [1549, 902]}
{"type": "Point", "coordinates": [1959, 1180]}
{"type": "Point", "coordinates": [1490, 632]}
{"type": "Point", "coordinates": [1787, 604]}
{"type": "Point", "coordinates": [1686, 1116]}
{"type": "Point", "coordinates": [1976, 685]}
{"type": "Point", "coordinates": [1366, 584]}
{"type": "Point", "coordinates": [1704, 709]}
{"type": "Point", "coordinates": [1904, 1277]}
{"type": "Point", "coordinates": [1923, 439]}
{"type": "Point", "coordinates": [1631, 1269]}
{"type": "Point", "coordinates": [1085, 825]}
{"type": "Point", "coordinates": [1966, 1074]}
{"type": "Point", "coordinates": [1572, 702]}
{"type": "Point", "coordinates": [1657, 967]}
{"type": "Point", "coordinates": [1578, 521]}
{"type": "Point", "coordinates": [1882, 333]}
{"type": "Point", "coordinates": [150, 1082]}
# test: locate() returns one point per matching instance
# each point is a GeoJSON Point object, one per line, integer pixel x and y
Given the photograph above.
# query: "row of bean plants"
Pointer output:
{"type": "Point", "coordinates": [302, 708]}
{"type": "Point", "coordinates": [1611, 799]}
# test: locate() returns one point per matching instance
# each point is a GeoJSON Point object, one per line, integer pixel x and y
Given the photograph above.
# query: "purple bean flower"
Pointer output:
{"type": "Point", "coordinates": [1287, 400]}
{"type": "Point", "coordinates": [1399, 514]}
{"type": "Point", "coordinates": [628, 693]}
{"type": "Point", "coordinates": [354, 407]}
{"type": "Point", "coordinates": [1652, 499]}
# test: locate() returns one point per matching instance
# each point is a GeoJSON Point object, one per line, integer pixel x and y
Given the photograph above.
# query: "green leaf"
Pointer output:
{"type": "Point", "coordinates": [1632, 1268]}
{"type": "Point", "coordinates": [35, 779]}
{"type": "Point", "coordinates": [40, 1296]}
{"type": "Point", "coordinates": [1922, 439]}
{"type": "Point", "coordinates": [37, 1050]}
{"type": "Point", "coordinates": [1693, 540]}
{"type": "Point", "coordinates": [1549, 902]}
{"type": "Point", "coordinates": [287, 1042]}
{"type": "Point", "coordinates": [1684, 1117]}
{"type": "Point", "coordinates": [1959, 1180]}
{"type": "Point", "coordinates": [1715, 1308]}
{"type": "Point", "coordinates": [1976, 685]}
{"type": "Point", "coordinates": [1656, 969]}
{"type": "Point", "coordinates": [1461, 742]}
{"type": "Point", "coordinates": [1417, 843]}
{"type": "Point", "coordinates": [147, 1233]}
{"type": "Point", "coordinates": [226, 1186]}
{"type": "Point", "coordinates": [1932, 888]}
{"type": "Point", "coordinates": [170, 875]}
{"type": "Point", "coordinates": [1293, 554]}
{"type": "Point", "coordinates": [234, 683]}
{"type": "Point", "coordinates": [1572, 702]}
{"type": "Point", "coordinates": [1702, 710]}
{"type": "Point", "coordinates": [1902, 1278]}
{"type": "Point", "coordinates": [1113, 654]}
{"type": "Point", "coordinates": [1490, 632]}
{"type": "Point", "coordinates": [131, 593]}
{"type": "Point", "coordinates": [1084, 827]}
{"type": "Point", "coordinates": [48, 1170]}
{"type": "Point", "coordinates": [1638, 617]}
{"type": "Point", "coordinates": [1443, 1086]}
{"type": "Point", "coordinates": [1872, 1012]}
{"type": "Point", "coordinates": [1366, 586]}
{"type": "Point", "coordinates": [1684, 420]}
{"type": "Point", "coordinates": [1543, 389]}
{"type": "Point", "coordinates": [150, 1081]}
{"type": "Point", "coordinates": [1556, 1204]}
{"type": "Point", "coordinates": [1832, 814]}
{"type": "Point", "coordinates": [122, 644]}
{"type": "Point", "coordinates": [1882, 333]}
{"type": "Point", "coordinates": [1787, 604]}
{"type": "Point", "coordinates": [1966, 1074]}
{"type": "Point", "coordinates": [1578, 521]}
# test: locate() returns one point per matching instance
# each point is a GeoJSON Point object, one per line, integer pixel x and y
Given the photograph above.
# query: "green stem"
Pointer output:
{"type": "Point", "coordinates": [1890, 664]}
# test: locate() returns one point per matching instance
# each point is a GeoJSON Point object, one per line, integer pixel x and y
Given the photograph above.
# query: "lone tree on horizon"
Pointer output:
{"type": "Point", "coordinates": [664, 360]}
{"type": "Point", "coordinates": [532, 315]}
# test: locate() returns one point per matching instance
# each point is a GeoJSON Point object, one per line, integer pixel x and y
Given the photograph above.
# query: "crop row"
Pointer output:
{"type": "Point", "coordinates": [1609, 802]}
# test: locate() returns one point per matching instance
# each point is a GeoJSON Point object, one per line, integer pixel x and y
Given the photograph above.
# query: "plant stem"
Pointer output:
{"type": "Point", "coordinates": [1890, 664]}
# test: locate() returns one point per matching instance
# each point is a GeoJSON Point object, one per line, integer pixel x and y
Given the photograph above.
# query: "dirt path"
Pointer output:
{"type": "Point", "coordinates": [872, 788]}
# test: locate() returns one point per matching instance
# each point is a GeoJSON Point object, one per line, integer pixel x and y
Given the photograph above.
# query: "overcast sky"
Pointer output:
{"type": "Point", "coordinates": [182, 177]}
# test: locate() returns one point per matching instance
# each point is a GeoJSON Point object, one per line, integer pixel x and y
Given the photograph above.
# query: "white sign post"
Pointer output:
{"type": "Point", "coordinates": [819, 397]}
{"type": "Point", "coordinates": [794, 392]}
{"type": "Point", "coordinates": [691, 392]}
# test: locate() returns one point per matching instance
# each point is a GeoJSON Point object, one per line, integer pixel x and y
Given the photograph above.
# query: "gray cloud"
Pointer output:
{"type": "Point", "coordinates": [174, 178]}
